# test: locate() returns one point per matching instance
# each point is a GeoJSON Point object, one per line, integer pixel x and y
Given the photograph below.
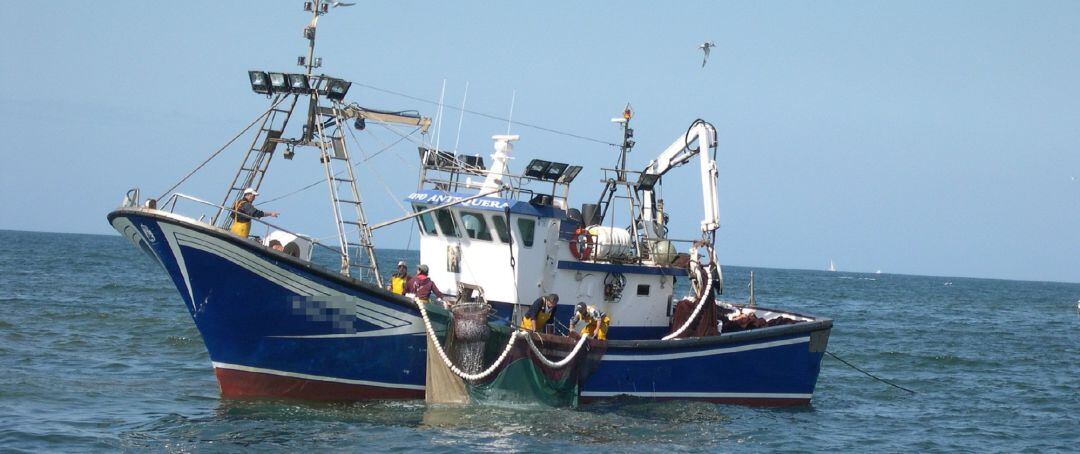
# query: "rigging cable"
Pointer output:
{"type": "Point", "coordinates": [489, 116]}
{"type": "Point", "coordinates": [383, 182]}
{"type": "Point", "coordinates": [403, 137]}
{"type": "Point", "coordinates": [868, 374]}
{"type": "Point", "coordinates": [223, 147]}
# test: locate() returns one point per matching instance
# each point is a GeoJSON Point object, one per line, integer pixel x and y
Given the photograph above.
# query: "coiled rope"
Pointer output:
{"type": "Point", "coordinates": [502, 357]}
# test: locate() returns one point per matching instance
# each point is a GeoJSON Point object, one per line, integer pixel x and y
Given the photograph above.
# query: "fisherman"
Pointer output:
{"type": "Point", "coordinates": [276, 245]}
{"type": "Point", "coordinates": [399, 279]}
{"type": "Point", "coordinates": [243, 210]}
{"type": "Point", "coordinates": [421, 286]}
{"type": "Point", "coordinates": [541, 313]}
{"type": "Point", "coordinates": [596, 322]}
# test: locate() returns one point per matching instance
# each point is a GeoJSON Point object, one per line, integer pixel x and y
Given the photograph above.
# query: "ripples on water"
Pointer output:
{"type": "Point", "coordinates": [97, 353]}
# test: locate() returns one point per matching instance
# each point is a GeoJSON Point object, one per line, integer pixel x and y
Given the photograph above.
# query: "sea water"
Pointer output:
{"type": "Point", "coordinates": [97, 353]}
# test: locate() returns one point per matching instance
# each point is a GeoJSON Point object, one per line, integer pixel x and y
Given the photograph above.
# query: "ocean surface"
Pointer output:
{"type": "Point", "coordinates": [97, 353]}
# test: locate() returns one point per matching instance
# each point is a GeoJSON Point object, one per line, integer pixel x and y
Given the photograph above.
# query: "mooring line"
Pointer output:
{"type": "Point", "coordinates": [868, 374]}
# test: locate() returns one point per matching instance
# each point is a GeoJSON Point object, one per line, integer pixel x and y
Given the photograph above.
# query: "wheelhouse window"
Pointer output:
{"type": "Point", "coordinates": [501, 228]}
{"type": "Point", "coordinates": [446, 222]}
{"type": "Point", "coordinates": [526, 229]}
{"type": "Point", "coordinates": [475, 226]}
{"type": "Point", "coordinates": [427, 224]}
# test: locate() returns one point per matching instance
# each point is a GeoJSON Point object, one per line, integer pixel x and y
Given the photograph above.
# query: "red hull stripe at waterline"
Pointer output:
{"type": "Point", "coordinates": [238, 383]}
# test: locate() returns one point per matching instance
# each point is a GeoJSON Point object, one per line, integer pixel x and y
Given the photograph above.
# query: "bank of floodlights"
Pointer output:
{"type": "Point", "coordinates": [266, 83]}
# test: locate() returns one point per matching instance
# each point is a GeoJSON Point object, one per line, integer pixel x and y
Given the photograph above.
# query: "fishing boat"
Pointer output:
{"type": "Point", "coordinates": [277, 323]}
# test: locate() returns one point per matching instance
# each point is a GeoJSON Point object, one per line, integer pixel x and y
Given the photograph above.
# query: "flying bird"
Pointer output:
{"type": "Point", "coordinates": [705, 46]}
{"type": "Point", "coordinates": [337, 4]}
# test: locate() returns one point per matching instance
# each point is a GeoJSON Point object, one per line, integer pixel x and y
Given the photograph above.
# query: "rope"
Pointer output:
{"type": "Point", "coordinates": [549, 363]}
{"type": "Point", "coordinates": [450, 364]}
{"type": "Point", "coordinates": [697, 310]}
{"type": "Point", "coordinates": [868, 374]}
{"type": "Point", "coordinates": [502, 357]}
{"type": "Point", "coordinates": [223, 147]}
{"type": "Point", "coordinates": [492, 117]}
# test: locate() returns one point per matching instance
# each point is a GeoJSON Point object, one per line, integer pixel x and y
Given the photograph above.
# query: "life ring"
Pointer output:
{"type": "Point", "coordinates": [582, 245]}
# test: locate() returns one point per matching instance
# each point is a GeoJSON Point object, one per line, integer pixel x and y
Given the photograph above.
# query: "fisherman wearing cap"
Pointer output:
{"type": "Point", "coordinates": [399, 279]}
{"type": "Point", "coordinates": [243, 210]}
{"type": "Point", "coordinates": [541, 313]}
{"type": "Point", "coordinates": [596, 322]}
{"type": "Point", "coordinates": [421, 286]}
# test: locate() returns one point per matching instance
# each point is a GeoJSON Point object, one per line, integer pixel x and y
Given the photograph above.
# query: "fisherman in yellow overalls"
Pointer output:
{"type": "Point", "coordinates": [243, 210]}
{"type": "Point", "coordinates": [540, 313]}
{"type": "Point", "coordinates": [596, 322]}
{"type": "Point", "coordinates": [399, 279]}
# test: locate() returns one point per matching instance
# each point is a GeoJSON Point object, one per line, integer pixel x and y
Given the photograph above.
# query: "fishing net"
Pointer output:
{"type": "Point", "coordinates": [524, 378]}
{"type": "Point", "coordinates": [469, 333]}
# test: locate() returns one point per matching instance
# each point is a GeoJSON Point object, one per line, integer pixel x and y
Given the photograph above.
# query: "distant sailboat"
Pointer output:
{"type": "Point", "coordinates": [832, 266]}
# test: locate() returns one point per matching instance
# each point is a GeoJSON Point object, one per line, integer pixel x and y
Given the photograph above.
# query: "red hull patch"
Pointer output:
{"type": "Point", "coordinates": [238, 384]}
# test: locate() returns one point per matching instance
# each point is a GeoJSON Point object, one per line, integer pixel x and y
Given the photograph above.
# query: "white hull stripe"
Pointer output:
{"type": "Point", "coordinates": [281, 373]}
{"type": "Point", "coordinates": [691, 395]}
{"type": "Point", "coordinates": [718, 351]}
{"type": "Point", "coordinates": [248, 261]}
{"type": "Point", "coordinates": [386, 318]}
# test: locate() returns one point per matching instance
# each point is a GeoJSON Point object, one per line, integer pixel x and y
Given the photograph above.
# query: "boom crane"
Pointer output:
{"type": "Point", "coordinates": [678, 153]}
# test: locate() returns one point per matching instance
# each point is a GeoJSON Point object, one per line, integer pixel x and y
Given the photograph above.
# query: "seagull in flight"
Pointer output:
{"type": "Point", "coordinates": [705, 46]}
{"type": "Point", "coordinates": [337, 4]}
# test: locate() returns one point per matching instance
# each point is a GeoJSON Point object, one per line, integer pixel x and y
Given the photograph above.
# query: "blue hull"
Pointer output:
{"type": "Point", "coordinates": [275, 326]}
{"type": "Point", "coordinates": [272, 323]}
{"type": "Point", "coordinates": [778, 368]}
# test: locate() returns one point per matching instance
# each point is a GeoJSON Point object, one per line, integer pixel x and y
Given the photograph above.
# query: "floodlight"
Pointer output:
{"type": "Point", "coordinates": [570, 174]}
{"type": "Point", "coordinates": [555, 170]}
{"type": "Point", "coordinates": [307, 6]}
{"type": "Point", "coordinates": [536, 168]}
{"type": "Point", "coordinates": [298, 83]}
{"type": "Point", "coordinates": [337, 88]}
{"type": "Point", "coordinates": [260, 82]}
{"type": "Point", "coordinates": [473, 162]}
{"type": "Point", "coordinates": [279, 83]}
{"type": "Point", "coordinates": [647, 181]}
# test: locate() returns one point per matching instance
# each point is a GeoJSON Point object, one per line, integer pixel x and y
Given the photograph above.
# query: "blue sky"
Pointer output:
{"type": "Point", "coordinates": [938, 138]}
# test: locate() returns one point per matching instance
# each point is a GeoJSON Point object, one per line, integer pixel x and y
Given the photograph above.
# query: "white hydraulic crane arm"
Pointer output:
{"type": "Point", "coordinates": [678, 153]}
